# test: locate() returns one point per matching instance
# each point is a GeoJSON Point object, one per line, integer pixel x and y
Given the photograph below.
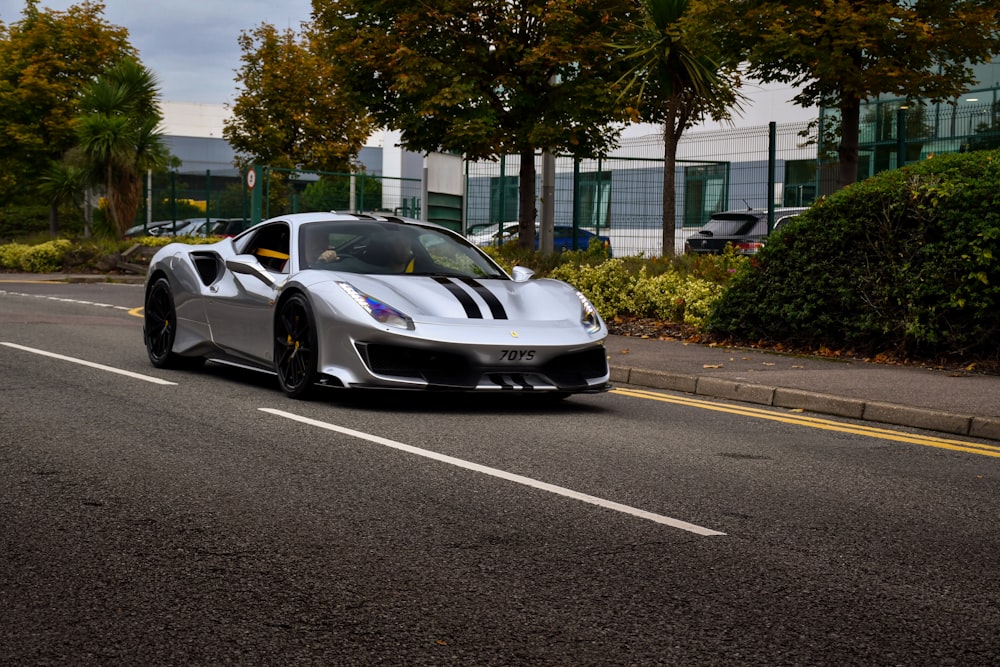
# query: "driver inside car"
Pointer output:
{"type": "Point", "coordinates": [317, 248]}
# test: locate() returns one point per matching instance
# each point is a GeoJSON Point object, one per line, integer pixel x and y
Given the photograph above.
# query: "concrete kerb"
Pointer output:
{"type": "Point", "coordinates": [796, 399]}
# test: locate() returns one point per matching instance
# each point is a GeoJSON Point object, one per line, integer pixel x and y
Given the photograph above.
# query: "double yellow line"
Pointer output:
{"type": "Point", "coordinates": [815, 422]}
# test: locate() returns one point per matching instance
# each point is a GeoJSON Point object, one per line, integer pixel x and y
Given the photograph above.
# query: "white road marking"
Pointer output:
{"type": "Point", "coordinates": [89, 364]}
{"type": "Point", "coordinates": [65, 300]}
{"type": "Point", "coordinates": [494, 472]}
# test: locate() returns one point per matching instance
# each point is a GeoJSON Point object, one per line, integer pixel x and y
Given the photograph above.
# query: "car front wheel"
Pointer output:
{"type": "Point", "coordinates": [160, 329]}
{"type": "Point", "coordinates": [295, 350]}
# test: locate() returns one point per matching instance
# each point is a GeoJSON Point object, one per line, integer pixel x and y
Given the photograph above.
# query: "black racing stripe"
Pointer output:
{"type": "Point", "coordinates": [496, 308]}
{"type": "Point", "coordinates": [464, 298]}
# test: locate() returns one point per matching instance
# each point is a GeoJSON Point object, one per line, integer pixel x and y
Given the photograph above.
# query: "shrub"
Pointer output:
{"type": "Point", "coordinates": [160, 241]}
{"type": "Point", "coordinates": [616, 289]}
{"type": "Point", "coordinates": [903, 262]}
{"type": "Point", "coordinates": [41, 258]}
{"type": "Point", "coordinates": [11, 255]}
{"type": "Point", "coordinates": [609, 285]}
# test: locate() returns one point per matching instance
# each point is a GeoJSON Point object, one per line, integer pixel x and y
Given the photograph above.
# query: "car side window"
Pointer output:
{"type": "Point", "coordinates": [270, 245]}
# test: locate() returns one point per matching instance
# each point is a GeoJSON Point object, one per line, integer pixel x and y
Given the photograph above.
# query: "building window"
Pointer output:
{"type": "Point", "coordinates": [595, 199]}
{"type": "Point", "coordinates": [503, 199]}
{"type": "Point", "coordinates": [706, 191]}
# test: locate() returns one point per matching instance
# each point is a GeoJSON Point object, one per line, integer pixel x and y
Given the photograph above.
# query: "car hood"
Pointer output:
{"type": "Point", "coordinates": [450, 299]}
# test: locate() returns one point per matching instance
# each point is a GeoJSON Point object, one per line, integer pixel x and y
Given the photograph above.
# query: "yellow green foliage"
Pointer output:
{"type": "Point", "coordinates": [160, 241]}
{"type": "Point", "coordinates": [616, 290]}
{"type": "Point", "coordinates": [42, 258]}
{"type": "Point", "coordinates": [608, 285]}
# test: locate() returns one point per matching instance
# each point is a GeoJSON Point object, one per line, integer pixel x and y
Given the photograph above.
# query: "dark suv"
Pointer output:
{"type": "Point", "coordinates": [746, 230]}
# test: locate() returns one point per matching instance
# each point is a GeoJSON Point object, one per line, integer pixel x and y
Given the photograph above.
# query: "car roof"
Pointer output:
{"type": "Point", "coordinates": [330, 216]}
{"type": "Point", "coordinates": [784, 210]}
{"type": "Point", "coordinates": [296, 220]}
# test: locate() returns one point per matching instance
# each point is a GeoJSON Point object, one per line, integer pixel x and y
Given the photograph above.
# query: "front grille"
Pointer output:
{"type": "Point", "coordinates": [451, 370]}
{"type": "Point", "coordinates": [437, 368]}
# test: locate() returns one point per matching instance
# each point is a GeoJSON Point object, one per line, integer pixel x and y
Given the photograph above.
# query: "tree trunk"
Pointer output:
{"type": "Point", "coordinates": [129, 197]}
{"type": "Point", "coordinates": [677, 113]}
{"type": "Point", "coordinates": [850, 127]}
{"type": "Point", "coordinates": [526, 200]}
{"type": "Point", "coordinates": [54, 219]}
{"type": "Point", "coordinates": [669, 192]}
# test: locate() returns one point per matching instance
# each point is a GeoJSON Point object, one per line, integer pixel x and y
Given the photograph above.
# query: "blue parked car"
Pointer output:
{"type": "Point", "coordinates": [562, 238]}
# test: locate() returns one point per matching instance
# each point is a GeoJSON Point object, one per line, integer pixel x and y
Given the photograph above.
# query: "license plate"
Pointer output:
{"type": "Point", "coordinates": [517, 355]}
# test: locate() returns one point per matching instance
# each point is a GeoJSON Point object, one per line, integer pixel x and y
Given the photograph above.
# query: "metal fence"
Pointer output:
{"type": "Point", "coordinates": [183, 198]}
{"type": "Point", "coordinates": [781, 165]}
{"type": "Point", "coordinates": [619, 195]}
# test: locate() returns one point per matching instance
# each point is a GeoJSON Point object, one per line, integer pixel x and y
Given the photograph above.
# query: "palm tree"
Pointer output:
{"type": "Point", "coordinates": [675, 77]}
{"type": "Point", "coordinates": [62, 183]}
{"type": "Point", "coordinates": [118, 131]}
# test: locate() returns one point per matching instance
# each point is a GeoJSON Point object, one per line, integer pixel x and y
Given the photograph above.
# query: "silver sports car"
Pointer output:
{"type": "Point", "coordinates": [369, 301]}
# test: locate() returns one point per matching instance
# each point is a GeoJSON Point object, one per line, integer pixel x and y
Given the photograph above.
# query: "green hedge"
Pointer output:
{"type": "Point", "coordinates": [904, 262]}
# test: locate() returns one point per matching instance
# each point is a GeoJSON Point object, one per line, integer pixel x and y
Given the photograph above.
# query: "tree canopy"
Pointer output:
{"type": "Point", "coordinates": [485, 78]}
{"type": "Point", "coordinates": [46, 58]}
{"type": "Point", "coordinates": [839, 53]}
{"type": "Point", "coordinates": [291, 113]}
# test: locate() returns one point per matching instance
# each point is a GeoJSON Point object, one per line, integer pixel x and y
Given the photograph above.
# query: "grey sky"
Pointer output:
{"type": "Point", "coordinates": [189, 44]}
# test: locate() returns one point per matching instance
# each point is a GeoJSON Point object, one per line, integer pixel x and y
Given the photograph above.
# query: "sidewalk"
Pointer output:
{"type": "Point", "coordinates": [955, 402]}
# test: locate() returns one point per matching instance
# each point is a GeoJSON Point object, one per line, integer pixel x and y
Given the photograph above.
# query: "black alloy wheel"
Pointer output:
{"type": "Point", "coordinates": [160, 329]}
{"type": "Point", "coordinates": [295, 352]}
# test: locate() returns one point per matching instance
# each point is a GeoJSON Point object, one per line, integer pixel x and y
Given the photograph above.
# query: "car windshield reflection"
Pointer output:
{"type": "Point", "coordinates": [370, 247]}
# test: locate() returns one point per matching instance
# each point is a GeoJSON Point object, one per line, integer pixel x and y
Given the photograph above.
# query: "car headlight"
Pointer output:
{"type": "Point", "coordinates": [379, 310]}
{"type": "Point", "coordinates": [589, 318]}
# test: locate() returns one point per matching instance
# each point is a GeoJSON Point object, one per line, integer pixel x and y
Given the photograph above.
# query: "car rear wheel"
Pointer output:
{"type": "Point", "coordinates": [160, 329]}
{"type": "Point", "coordinates": [295, 351]}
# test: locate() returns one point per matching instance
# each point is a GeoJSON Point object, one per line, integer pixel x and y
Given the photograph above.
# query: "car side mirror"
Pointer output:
{"type": "Point", "coordinates": [248, 265]}
{"type": "Point", "coordinates": [522, 274]}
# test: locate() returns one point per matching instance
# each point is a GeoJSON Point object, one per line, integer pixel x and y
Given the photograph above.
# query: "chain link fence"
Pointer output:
{"type": "Point", "coordinates": [203, 203]}
{"type": "Point", "coordinates": [776, 165]}
{"type": "Point", "coordinates": [619, 195]}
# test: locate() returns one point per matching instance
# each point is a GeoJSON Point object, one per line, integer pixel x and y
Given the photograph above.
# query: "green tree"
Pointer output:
{"type": "Point", "coordinates": [290, 113]}
{"type": "Point", "coordinates": [46, 58]}
{"type": "Point", "coordinates": [484, 78]}
{"type": "Point", "coordinates": [333, 193]}
{"type": "Point", "coordinates": [676, 77]}
{"type": "Point", "coordinates": [839, 53]}
{"type": "Point", "coordinates": [119, 138]}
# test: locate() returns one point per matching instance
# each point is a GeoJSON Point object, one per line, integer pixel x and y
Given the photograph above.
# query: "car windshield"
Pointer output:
{"type": "Point", "coordinates": [387, 247]}
{"type": "Point", "coordinates": [729, 224]}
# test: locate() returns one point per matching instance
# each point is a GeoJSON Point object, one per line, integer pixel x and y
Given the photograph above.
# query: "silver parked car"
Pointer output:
{"type": "Point", "coordinates": [361, 301]}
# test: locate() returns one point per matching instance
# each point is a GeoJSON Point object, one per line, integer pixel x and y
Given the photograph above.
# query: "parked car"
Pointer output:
{"type": "Point", "coordinates": [199, 227]}
{"type": "Point", "coordinates": [359, 301]}
{"type": "Point", "coordinates": [746, 230]}
{"type": "Point", "coordinates": [230, 227]}
{"type": "Point", "coordinates": [562, 238]}
{"type": "Point", "coordinates": [152, 229]}
{"type": "Point", "coordinates": [482, 234]}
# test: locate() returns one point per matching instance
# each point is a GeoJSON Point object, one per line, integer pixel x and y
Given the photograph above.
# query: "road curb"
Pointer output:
{"type": "Point", "coordinates": [797, 399]}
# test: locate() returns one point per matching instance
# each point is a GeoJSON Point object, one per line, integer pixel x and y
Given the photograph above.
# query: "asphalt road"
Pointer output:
{"type": "Point", "coordinates": [211, 520]}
